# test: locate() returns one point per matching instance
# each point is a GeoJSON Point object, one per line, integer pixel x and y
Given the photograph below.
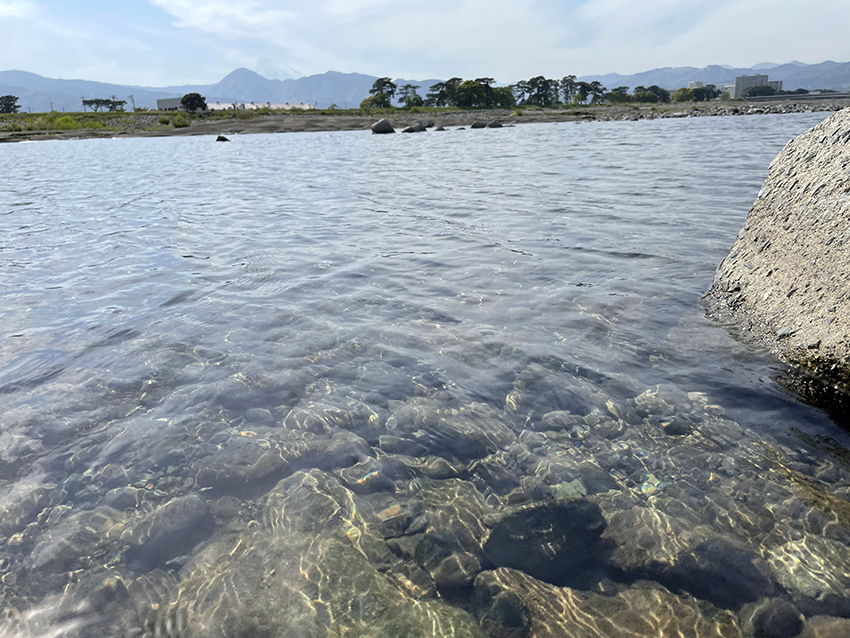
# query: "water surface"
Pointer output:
{"type": "Point", "coordinates": [193, 334]}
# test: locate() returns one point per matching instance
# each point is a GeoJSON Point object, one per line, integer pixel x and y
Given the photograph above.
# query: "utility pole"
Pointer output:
{"type": "Point", "coordinates": [133, 100]}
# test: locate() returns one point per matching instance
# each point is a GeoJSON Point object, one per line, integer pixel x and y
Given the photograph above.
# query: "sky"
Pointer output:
{"type": "Point", "coordinates": [171, 42]}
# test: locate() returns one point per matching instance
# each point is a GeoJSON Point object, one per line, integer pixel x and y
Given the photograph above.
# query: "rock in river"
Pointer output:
{"type": "Point", "coordinates": [785, 279]}
{"type": "Point", "coordinates": [383, 126]}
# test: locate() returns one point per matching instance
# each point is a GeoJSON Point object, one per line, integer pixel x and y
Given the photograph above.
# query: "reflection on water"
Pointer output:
{"type": "Point", "coordinates": [443, 385]}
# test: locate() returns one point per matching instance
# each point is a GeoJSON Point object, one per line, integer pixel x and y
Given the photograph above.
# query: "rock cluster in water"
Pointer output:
{"type": "Point", "coordinates": [584, 505]}
{"type": "Point", "coordinates": [786, 278]}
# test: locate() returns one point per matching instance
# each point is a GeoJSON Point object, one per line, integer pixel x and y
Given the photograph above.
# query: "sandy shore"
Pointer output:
{"type": "Point", "coordinates": [303, 122]}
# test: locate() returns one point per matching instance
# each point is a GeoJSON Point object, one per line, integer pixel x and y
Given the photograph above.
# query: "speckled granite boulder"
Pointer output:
{"type": "Point", "coordinates": [786, 278]}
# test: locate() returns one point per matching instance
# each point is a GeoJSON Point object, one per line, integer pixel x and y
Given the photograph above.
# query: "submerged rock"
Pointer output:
{"type": "Point", "coordinates": [171, 530]}
{"type": "Point", "coordinates": [816, 573]}
{"type": "Point", "coordinates": [720, 573]}
{"type": "Point", "coordinates": [511, 604]}
{"type": "Point", "coordinates": [555, 542]}
{"type": "Point", "coordinates": [784, 279]}
{"type": "Point", "coordinates": [310, 568]}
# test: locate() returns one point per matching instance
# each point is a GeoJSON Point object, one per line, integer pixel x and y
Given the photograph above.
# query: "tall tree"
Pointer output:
{"type": "Point", "coordinates": [568, 88]}
{"type": "Point", "coordinates": [597, 91]}
{"type": "Point", "coordinates": [503, 97]}
{"type": "Point", "coordinates": [520, 90]}
{"type": "Point", "coordinates": [194, 102]}
{"type": "Point", "coordinates": [487, 90]}
{"type": "Point", "coordinates": [9, 104]}
{"type": "Point", "coordinates": [383, 91]}
{"type": "Point", "coordinates": [471, 95]}
{"type": "Point", "coordinates": [618, 95]}
{"type": "Point", "coordinates": [582, 91]}
{"type": "Point", "coordinates": [437, 95]}
{"type": "Point", "coordinates": [408, 96]}
{"type": "Point", "coordinates": [542, 92]}
{"type": "Point", "coordinates": [452, 90]}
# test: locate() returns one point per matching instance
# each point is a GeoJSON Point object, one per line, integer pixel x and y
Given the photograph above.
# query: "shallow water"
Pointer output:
{"type": "Point", "coordinates": [200, 339]}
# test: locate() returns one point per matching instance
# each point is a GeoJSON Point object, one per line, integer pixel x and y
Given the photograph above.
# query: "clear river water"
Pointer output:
{"type": "Point", "coordinates": [341, 384]}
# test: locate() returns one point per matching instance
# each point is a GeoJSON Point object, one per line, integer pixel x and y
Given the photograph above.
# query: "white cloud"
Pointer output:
{"type": "Point", "coordinates": [15, 9]}
{"type": "Point", "coordinates": [506, 39]}
{"type": "Point", "coordinates": [247, 19]}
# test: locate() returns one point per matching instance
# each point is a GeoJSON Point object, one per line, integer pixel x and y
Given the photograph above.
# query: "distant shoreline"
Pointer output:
{"type": "Point", "coordinates": [304, 122]}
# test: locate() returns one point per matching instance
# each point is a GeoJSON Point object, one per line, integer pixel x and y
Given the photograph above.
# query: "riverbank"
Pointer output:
{"type": "Point", "coordinates": [146, 125]}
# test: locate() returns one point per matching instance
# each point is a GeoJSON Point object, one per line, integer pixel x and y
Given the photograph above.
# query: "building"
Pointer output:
{"type": "Point", "coordinates": [744, 82]}
{"type": "Point", "coordinates": [173, 104]}
{"type": "Point", "coordinates": [251, 106]}
{"type": "Point", "coordinates": [169, 104]}
{"type": "Point", "coordinates": [695, 85]}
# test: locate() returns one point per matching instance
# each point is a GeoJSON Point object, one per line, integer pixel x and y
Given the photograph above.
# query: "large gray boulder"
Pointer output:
{"type": "Point", "coordinates": [785, 280]}
{"type": "Point", "coordinates": [383, 126]}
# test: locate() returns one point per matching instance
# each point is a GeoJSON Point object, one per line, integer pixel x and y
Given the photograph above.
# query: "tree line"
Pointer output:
{"type": "Point", "coordinates": [537, 91]}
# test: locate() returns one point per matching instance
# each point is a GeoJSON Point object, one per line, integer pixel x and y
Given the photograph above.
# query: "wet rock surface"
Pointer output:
{"type": "Point", "coordinates": [784, 280]}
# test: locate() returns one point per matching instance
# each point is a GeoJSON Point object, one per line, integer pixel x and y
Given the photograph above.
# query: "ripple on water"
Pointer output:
{"type": "Point", "coordinates": [269, 396]}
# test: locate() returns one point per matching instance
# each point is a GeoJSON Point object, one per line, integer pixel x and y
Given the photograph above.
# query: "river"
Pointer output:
{"type": "Point", "coordinates": [302, 384]}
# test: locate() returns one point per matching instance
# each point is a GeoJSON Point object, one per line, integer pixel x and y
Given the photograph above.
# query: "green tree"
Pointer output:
{"type": "Point", "coordinates": [471, 94]}
{"type": "Point", "coordinates": [755, 91]}
{"type": "Point", "coordinates": [663, 94]}
{"type": "Point", "coordinates": [618, 95]}
{"type": "Point", "coordinates": [9, 104]}
{"type": "Point", "coordinates": [503, 97]}
{"type": "Point", "coordinates": [568, 88]}
{"type": "Point", "coordinates": [684, 95]}
{"type": "Point", "coordinates": [452, 90]}
{"type": "Point", "coordinates": [541, 91]}
{"type": "Point", "coordinates": [582, 90]}
{"type": "Point", "coordinates": [437, 95]}
{"type": "Point", "coordinates": [597, 92]}
{"type": "Point", "coordinates": [520, 91]}
{"type": "Point", "coordinates": [487, 90]}
{"type": "Point", "coordinates": [383, 91]}
{"type": "Point", "coordinates": [193, 102]}
{"type": "Point", "coordinates": [409, 97]}
{"type": "Point", "coordinates": [705, 93]}
{"type": "Point", "coordinates": [653, 93]}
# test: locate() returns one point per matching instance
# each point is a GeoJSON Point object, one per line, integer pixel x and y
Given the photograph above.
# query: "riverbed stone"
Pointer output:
{"type": "Point", "coordinates": [75, 541]}
{"type": "Point", "coordinates": [311, 566]}
{"type": "Point", "coordinates": [826, 627]}
{"type": "Point", "coordinates": [171, 530]}
{"type": "Point", "coordinates": [558, 542]}
{"type": "Point", "coordinates": [816, 573]}
{"type": "Point", "coordinates": [785, 279]}
{"type": "Point", "coordinates": [721, 573]}
{"type": "Point", "coordinates": [512, 604]}
{"type": "Point", "coordinates": [772, 618]}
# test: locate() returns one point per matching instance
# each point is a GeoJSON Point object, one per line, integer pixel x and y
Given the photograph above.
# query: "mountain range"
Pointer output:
{"type": "Point", "coordinates": [347, 90]}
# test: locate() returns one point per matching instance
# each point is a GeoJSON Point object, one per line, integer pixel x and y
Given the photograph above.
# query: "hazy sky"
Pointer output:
{"type": "Point", "coordinates": [167, 42]}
